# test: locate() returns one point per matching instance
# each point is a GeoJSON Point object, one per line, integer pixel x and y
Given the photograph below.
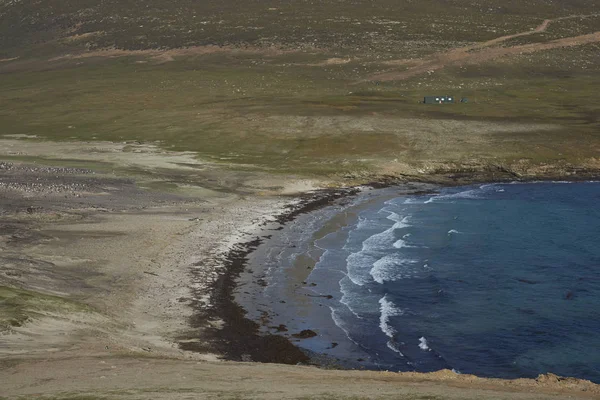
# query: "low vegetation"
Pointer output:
{"type": "Point", "coordinates": [285, 87]}
{"type": "Point", "coordinates": [18, 306]}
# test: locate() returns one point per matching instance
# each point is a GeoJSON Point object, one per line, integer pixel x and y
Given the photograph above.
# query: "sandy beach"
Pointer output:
{"type": "Point", "coordinates": [193, 200]}
{"type": "Point", "coordinates": [117, 285]}
{"type": "Point", "coordinates": [275, 289]}
{"type": "Point", "coordinates": [136, 259]}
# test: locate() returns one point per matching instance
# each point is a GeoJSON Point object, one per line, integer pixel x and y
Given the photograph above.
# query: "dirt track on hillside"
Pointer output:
{"type": "Point", "coordinates": [162, 56]}
{"type": "Point", "coordinates": [483, 51]}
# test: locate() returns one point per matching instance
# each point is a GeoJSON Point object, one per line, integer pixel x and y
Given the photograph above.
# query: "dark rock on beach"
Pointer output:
{"type": "Point", "coordinates": [305, 334]}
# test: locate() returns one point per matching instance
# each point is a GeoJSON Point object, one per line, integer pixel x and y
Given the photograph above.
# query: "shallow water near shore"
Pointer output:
{"type": "Point", "coordinates": [497, 280]}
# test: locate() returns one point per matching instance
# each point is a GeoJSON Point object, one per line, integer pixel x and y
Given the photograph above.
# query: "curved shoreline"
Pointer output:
{"type": "Point", "coordinates": [238, 339]}
{"type": "Point", "coordinates": [246, 330]}
{"type": "Point", "coordinates": [150, 293]}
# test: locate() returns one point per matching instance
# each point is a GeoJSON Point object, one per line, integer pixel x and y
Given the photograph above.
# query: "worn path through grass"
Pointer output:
{"type": "Point", "coordinates": [482, 52]}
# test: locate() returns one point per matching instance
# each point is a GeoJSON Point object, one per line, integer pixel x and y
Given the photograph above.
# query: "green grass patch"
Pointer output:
{"type": "Point", "coordinates": [360, 27]}
{"type": "Point", "coordinates": [282, 114]}
{"type": "Point", "coordinates": [17, 306]}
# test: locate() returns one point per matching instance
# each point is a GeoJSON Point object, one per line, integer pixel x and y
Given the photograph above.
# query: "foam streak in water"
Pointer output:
{"type": "Point", "coordinates": [390, 268]}
{"type": "Point", "coordinates": [466, 194]}
{"type": "Point", "coordinates": [401, 243]}
{"type": "Point", "coordinates": [388, 309]}
{"type": "Point", "coordinates": [359, 264]}
{"type": "Point", "coordinates": [339, 322]}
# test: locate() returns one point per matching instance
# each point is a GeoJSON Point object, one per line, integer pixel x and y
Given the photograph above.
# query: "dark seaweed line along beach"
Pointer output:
{"type": "Point", "coordinates": [237, 337]}
{"type": "Point", "coordinates": [240, 337]}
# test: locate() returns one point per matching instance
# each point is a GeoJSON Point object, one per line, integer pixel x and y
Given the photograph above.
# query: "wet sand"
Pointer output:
{"type": "Point", "coordinates": [274, 290]}
{"type": "Point", "coordinates": [126, 285]}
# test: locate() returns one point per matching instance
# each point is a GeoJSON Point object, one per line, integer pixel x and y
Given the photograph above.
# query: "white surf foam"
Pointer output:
{"type": "Point", "coordinates": [488, 186]}
{"type": "Point", "coordinates": [401, 243]}
{"type": "Point", "coordinates": [392, 216]}
{"type": "Point", "coordinates": [359, 264]}
{"type": "Point", "coordinates": [391, 268]}
{"type": "Point", "coordinates": [379, 241]}
{"type": "Point", "coordinates": [388, 309]}
{"type": "Point", "coordinates": [453, 231]}
{"type": "Point", "coordinates": [394, 347]}
{"type": "Point", "coordinates": [467, 194]}
{"type": "Point", "coordinates": [423, 344]}
{"type": "Point", "coordinates": [383, 240]}
{"type": "Point", "coordinates": [337, 320]}
{"type": "Point", "coordinates": [366, 223]}
{"type": "Point", "coordinates": [398, 244]}
{"type": "Point", "coordinates": [560, 182]}
{"type": "Point", "coordinates": [347, 298]}
{"type": "Point", "coordinates": [403, 221]}
{"type": "Point", "coordinates": [413, 200]}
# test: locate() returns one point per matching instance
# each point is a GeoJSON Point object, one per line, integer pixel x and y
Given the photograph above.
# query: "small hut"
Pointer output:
{"type": "Point", "coordinates": [438, 99]}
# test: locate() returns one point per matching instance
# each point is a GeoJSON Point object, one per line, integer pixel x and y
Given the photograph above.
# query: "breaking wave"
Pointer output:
{"type": "Point", "coordinates": [391, 268]}
{"type": "Point", "coordinates": [360, 264]}
{"type": "Point", "coordinates": [388, 309]}
{"type": "Point", "coordinates": [423, 344]}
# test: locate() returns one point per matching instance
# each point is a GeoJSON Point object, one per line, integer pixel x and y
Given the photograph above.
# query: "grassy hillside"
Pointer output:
{"type": "Point", "coordinates": [287, 86]}
{"type": "Point", "coordinates": [371, 25]}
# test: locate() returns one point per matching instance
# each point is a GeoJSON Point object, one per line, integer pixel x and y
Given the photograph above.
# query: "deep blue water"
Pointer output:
{"type": "Point", "coordinates": [498, 280]}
